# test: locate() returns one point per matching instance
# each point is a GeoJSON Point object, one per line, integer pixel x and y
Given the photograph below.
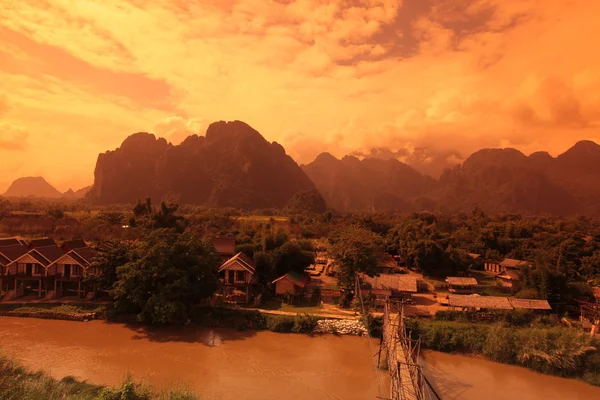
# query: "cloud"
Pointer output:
{"type": "Point", "coordinates": [12, 137]}
{"type": "Point", "coordinates": [176, 128]}
{"type": "Point", "coordinates": [446, 75]}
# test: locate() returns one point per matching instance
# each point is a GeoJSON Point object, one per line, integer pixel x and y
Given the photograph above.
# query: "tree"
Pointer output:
{"type": "Point", "coordinates": [112, 218]}
{"type": "Point", "coordinates": [169, 273]}
{"type": "Point", "coordinates": [110, 255]}
{"type": "Point", "coordinates": [165, 217]}
{"type": "Point", "coordinates": [356, 249]}
{"type": "Point", "coordinates": [292, 256]}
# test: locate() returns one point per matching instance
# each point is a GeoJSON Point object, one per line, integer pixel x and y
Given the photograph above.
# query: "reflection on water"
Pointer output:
{"type": "Point", "coordinates": [457, 377]}
{"type": "Point", "coordinates": [217, 364]}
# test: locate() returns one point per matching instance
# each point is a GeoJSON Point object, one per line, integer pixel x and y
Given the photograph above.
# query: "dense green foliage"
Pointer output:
{"type": "Point", "coordinates": [168, 273]}
{"type": "Point", "coordinates": [355, 248]}
{"type": "Point", "coordinates": [552, 350]}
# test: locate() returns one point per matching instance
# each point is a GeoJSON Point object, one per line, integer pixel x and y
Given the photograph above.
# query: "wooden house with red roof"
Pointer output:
{"type": "Point", "coordinates": [238, 276]}
{"type": "Point", "coordinates": [8, 254]}
{"type": "Point", "coordinates": [291, 285]}
{"type": "Point", "coordinates": [67, 272]}
{"type": "Point", "coordinates": [28, 272]}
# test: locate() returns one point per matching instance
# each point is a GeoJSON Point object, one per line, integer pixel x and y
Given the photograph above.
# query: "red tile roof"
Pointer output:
{"type": "Point", "coordinates": [74, 244]}
{"type": "Point", "coordinates": [13, 252]}
{"type": "Point", "coordinates": [42, 243]}
{"type": "Point", "coordinates": [50, 253]}
{"type": "Point", "coordinates": [86, 253]}
{"type": "Point", "coordinates": [241, 259]}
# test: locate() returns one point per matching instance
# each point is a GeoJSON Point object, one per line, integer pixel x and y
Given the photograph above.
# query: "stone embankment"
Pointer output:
{"type": "Point", "coordinates": [341, 327]}
{"type": "Point", "coordinates": [49, 315]}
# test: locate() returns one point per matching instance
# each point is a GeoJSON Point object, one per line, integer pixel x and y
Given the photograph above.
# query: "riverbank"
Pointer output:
{"type": "Point", "coordinates": [69, 312]}
{"type": "Point", "coordinates": [16, 383]}
{"type": "Point", "coordinates": [551, 350]}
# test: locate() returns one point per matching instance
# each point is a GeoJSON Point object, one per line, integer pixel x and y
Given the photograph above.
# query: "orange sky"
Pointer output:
{"type": "Point", "coordinates": [77, 77]}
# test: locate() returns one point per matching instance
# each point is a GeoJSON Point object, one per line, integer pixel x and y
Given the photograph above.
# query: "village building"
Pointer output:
{"type": "Point", "coordinates": [225, 246]}
{"type": "Point", "coordinates": [290, 287]}
{"type": "Point", "coordinates": [508, 264]}
{"type": "Point", "coordinates": [528, 304]}
{"type": "Point", "coordinates": [66, 274]}
{"type": "Point", "coordinates": [402, 286]}
{"type": "Point", "coordinates": [461, 285]}
{"type": "Point", "coordinates": [509, 280]}
{"type": "Point", "coordinates": [8, 254]}
{"type": "Point", "coordinates": [476, 302]}
{"type": "Point", "coordinates": [238, 276]}
{"type": "Point", "coordinates": [28, 272]}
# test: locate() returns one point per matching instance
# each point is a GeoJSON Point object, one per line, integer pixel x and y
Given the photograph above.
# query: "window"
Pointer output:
{"type": "Point", "coordinates": [240, 276]}
{"type": "Point", "coordinates": [38, 269]}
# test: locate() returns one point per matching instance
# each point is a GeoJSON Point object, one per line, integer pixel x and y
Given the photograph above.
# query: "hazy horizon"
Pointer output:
{"type": "Point", "coordinates": [78, 78]}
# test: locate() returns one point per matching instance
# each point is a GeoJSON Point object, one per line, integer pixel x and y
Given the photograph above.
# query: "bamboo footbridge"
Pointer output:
{"type": "Point", "coordinates": [408, 382]}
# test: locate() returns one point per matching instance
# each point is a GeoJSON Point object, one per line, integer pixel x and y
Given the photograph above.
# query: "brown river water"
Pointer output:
{"type": "Point", "coordinates": [226, 364]}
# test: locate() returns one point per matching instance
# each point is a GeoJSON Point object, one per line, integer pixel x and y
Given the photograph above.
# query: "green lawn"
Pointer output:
{"type": "Point", "coordinates": [483, 278]}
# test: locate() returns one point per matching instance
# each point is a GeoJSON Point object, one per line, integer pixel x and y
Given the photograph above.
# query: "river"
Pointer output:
{"type": "Point", "coordinates": [227, 364]}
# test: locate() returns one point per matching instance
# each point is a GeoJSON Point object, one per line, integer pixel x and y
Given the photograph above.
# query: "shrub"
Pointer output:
{"type": "Point", "coordinates": [304, 323]}
{"type": "Point", "coordinates": [280, 323]}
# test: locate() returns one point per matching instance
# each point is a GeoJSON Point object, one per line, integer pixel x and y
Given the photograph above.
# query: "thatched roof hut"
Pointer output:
{"type": "Point", "coordinates": [476, 301]}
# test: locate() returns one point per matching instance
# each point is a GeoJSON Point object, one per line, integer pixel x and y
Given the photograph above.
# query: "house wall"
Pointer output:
{"type": "Point", "coordinates": [493, 267]}
{"type": "Point", "coordinates": [284, 286]}
{"type": "Point", "coordinates": [246, 279]}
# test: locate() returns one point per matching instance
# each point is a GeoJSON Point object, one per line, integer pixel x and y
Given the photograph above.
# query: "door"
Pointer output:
{"type": "Point", "coordinates": [67, 271]}
{"type": "Point", "coordinates": [28, 269]}
{"type": "Point", "coordinates": [231, 276]}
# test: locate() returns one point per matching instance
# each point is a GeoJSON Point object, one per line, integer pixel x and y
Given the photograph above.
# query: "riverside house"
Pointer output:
{"type": "Point", "coordinates": [290, 287]}
{"type": "Point", "coordinates": [238, 277]}
{"type": "Point", "coordinates": [43, 269]}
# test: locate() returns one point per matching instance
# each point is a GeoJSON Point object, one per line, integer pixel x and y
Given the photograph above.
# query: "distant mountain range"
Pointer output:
{"type": "Point", "coordinates": [495, 180]}
{"type": "Point", "coordinates": [234, 166]}
{"type": "Point", "coordinates": [39, 187]}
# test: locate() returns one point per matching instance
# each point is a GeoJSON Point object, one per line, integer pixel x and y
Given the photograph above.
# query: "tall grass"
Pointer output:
{"type": "Point", "coordinates": [551, 350]}
{"type": "Point", "coordinates": [16, 383]}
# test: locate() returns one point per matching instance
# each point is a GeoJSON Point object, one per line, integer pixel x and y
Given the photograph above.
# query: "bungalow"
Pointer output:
{"type": "Point", "coordinates": [29, 270]}
{"type": "Point", "coordinates": [225, 246]}
{"type": "Point", "coordinates": [291, 285]}
{"type": "Point", "coordinates": [66, 273]}
{"type": "Point", "coordinates": [461, 285]}
{"type": "Point", "coordinates": [238, 275]}
{"type": "Point", "coordinates": [510, 280]}
{"type": "Point", "coordinates": [8, 254]}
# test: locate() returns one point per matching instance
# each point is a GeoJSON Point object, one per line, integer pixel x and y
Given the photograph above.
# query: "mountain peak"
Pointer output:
{"type": "Point", "coordinates": [32, 186]}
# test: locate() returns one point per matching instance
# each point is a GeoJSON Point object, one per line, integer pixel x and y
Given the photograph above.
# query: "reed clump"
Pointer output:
{"type": "Point", "coordinates": [552, 350]}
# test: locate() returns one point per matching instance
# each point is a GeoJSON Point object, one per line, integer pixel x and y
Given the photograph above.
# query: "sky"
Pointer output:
{"type": "Point", "coordinates": [345, 76]}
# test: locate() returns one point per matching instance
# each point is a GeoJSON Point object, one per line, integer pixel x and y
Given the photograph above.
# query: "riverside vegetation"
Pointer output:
{"type": "Point", "coordinates": [16, 383]}
{"type": "Point", "coordinates": [519, 339]}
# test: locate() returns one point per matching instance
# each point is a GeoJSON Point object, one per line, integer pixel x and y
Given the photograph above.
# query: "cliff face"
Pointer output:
{"type": "Point", "coordinates": [371, 184]}
{"type": "Point", "coordinates": [232, 166]}
{"type": "Point", "coordinates": [32, 186]}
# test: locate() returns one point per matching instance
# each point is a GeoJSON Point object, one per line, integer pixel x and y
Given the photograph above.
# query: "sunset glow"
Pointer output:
{"type": "Point", "coordinates": [78, 77]}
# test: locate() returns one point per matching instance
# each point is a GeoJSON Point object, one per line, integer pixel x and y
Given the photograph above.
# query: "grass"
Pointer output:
{"type": "Point", "coordinates": [552, 350]}
{"type": "Point", "coordinates": [65, 309]}
{"type": "Point", "coordinates": [16, 383]}
{"type": "Point", "coordinates": [483, 278]}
